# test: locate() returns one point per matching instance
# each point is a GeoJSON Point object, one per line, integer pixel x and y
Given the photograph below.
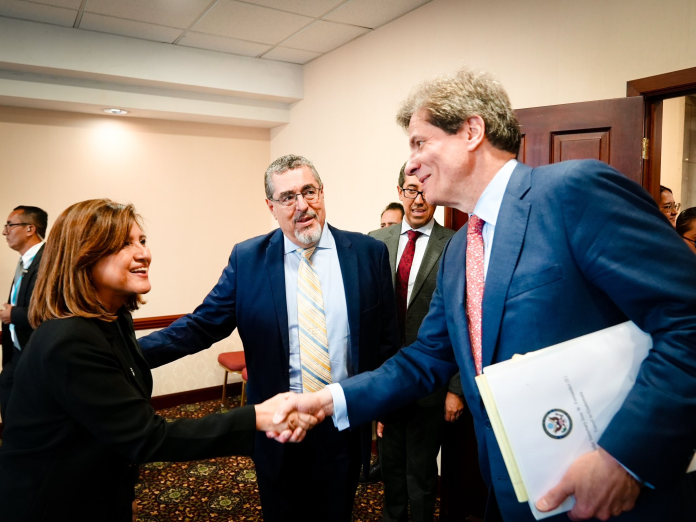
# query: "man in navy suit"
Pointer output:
{"type": "Point", "coordinates": [555, 252]}
{"type": "Point", "coordinates": [24, 231]}
{"type": "Point", "coordinates": [261, 294]}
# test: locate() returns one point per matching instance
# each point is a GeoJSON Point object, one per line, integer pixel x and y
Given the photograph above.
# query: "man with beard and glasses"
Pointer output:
{"type": "Point", "coordinates": [314, 305]}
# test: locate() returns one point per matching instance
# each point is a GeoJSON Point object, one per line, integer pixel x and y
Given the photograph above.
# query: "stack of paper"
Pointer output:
{"type": "Point", "coordinates": [551, 406]}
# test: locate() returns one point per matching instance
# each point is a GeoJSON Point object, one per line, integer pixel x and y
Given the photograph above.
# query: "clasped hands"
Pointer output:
{"type": "Point", "coordinates": [6, 314]}
{"type": "Point", "coordinates": [288, 416]}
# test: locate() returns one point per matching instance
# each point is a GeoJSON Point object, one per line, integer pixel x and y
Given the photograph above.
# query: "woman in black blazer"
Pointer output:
{"type": "Point", "coordinates": [79, 418]}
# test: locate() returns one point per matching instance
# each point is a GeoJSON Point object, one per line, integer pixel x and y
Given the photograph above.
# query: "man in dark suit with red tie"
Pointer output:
{"type": "Point", "coordinates": [411, 437]}
{"type": "Point", "coordinates": [24, 231]}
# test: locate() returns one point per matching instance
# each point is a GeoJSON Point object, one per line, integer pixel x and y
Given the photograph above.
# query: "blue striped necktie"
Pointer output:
{"type": "Point", "coordinates": [314, 343]}
{"type": "Point", "coordinates": [19, 272]}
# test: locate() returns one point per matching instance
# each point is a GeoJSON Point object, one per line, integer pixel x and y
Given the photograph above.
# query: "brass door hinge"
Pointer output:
{"type": "Point", "coordinates": [646, 148]}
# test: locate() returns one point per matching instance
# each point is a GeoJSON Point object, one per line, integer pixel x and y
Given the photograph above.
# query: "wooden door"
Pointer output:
{"type": "Point", "coordinates": [607, 130]}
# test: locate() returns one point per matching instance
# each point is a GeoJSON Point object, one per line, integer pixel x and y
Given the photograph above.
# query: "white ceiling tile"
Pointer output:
{"type": "Point", "coordinates": [68, 4]}
{"type": "Point", "coordinates": [369, 13]}
{"type": "Point", "coordinates": [172, 13]}
{"type": "Point", "coordinates": [283, 54]}
{"type": "Point", "coordinates": [322, 37]}
{"type": "Point", "coordinates": [38, 12]}
{"type": "Point", "coordinates": [250, 22]}
{"type": "Point", "coordinates": [314, 8]}
{"type": "Point", "coordinates": [222, 44]}
{"type": "Point", "coordinates": [119, 26]}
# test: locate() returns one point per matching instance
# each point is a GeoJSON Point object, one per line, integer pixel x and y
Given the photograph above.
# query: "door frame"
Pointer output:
{"type": "Point", "coordinates": [656, 89]}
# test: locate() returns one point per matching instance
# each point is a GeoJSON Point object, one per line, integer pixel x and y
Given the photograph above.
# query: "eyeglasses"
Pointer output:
{"type": "Point", "coordinates": [412, 193]}
{"type": "Point", "coordinates": [8, 226]}
{"type": "Point", "coordinates": [310, 195]}
{"type": "Point", "coordinates": [692, 241]}
{"type": "Point", "coordinates": [671, 206]}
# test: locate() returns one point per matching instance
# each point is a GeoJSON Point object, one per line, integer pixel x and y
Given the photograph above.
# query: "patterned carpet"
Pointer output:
{"type": "Point", "coordinates": [221, 489]}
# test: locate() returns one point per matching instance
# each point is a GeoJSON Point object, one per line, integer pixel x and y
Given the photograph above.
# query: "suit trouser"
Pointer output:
{"type": "Point", "coordinates": [408, 455]}
{"type": "Point", "coordinates": [318, 478]}
{"type": "Point", "coordinates": [6, 382]}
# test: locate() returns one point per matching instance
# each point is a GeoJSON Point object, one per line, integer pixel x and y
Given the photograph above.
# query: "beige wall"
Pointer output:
{"type": "Point", "coordinates": [198, 186]}
{"type": "Point", "coordinates": [195, 371]}
{"type": "Point", "coordinates": [671, 164]}
{"type": "Point", "coordinates": [184, 178]}
{"type": "Point", "coordinates": [544, 51]}
{"type": "Point", "coordinates": [688, 187]}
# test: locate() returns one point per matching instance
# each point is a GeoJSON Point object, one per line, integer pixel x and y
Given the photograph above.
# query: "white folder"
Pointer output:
{"type": "Point", "coordinates": [551, 406]}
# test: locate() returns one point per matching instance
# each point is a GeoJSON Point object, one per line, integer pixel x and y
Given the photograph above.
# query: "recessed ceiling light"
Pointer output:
{"type": "Point", "coordinates": [114, 111]}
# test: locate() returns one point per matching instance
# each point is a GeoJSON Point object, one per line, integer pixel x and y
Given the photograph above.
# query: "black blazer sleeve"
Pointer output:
{"type": "Point", "coordinates": [89, 381]}
{"type": "Point", "coordinates": [19, 315]}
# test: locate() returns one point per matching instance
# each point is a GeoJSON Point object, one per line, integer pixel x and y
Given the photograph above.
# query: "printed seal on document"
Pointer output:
{"type": "Point", "coordinates": [557, 424]}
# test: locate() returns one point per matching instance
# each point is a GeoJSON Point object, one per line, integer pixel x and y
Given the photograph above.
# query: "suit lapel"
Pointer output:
{"type": "Point", "coordinates": [348, 260]}
{"type": "Point", "coordinates": [24, 283]}
{"type": "Point", "coordinates": [430, 257]}
{"type": "Point", "coordinates": [507, 244]}
{"type": "Point", "coordinates": [118, 340]}
{"type": "Point", "coordinates": [128, 333]}
{"type": "Point", "coordinates": [392, 243]}
{"type": "Point", "coordinates": [276, 273]}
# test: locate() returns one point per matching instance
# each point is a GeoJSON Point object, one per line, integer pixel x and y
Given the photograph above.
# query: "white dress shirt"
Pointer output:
{"type": "Point", "coordinates": [27, 259]}
{"type": "Point", "coordinates": [421, 245]}
{"type": "Point", "coordinates": [326, 264]}
{"type": "Point", "coordinates": [487, 208]}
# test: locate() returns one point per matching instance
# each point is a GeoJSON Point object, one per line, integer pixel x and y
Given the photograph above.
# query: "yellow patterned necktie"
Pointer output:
{"type": "Point", "coordinates": [314, 343]}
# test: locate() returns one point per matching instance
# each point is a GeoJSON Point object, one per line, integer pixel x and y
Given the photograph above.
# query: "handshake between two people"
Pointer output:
{"type": "Point", "coordinates": [288, 416]}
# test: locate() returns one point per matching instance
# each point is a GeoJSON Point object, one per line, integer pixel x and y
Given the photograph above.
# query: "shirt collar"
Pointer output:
{"type": "Point", "coordinates": [425, 229]}
{"type": "Point", "coordinates": [488, 205]}
{"type": "Point", "coordinates": [29, 254]}
{"type": "Point", "coordinates": [326, 241]}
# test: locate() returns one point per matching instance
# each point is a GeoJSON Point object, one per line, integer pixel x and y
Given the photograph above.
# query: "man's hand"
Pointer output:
{"type": "Point", "coordinates": [454, 407]}
{"type": "Point", "coordinates": [292, 427]}
{"type": "Point", "coordinates": [318, 404]}
{"type": "Point", "coordinates": [380, 429]}
{"type": "Point", "coordinates": [602, 488]}
{"type": "Point", "coordinates": [6, 314]}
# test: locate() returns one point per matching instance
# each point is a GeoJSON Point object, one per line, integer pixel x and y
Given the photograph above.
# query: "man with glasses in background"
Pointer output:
{"type": "Point", "coordinates": [24, 231]}
{"type": "Point", "coordinates": [313, 305]}
{"type": "Point", "coordinates": [668, 206]}
{"type": "Point", "coordinates": [411, 438]}
{"type": "Point", "coordinates": [393, 214]}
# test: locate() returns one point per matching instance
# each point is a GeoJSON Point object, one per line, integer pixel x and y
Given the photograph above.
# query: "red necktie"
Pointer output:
{"type": "Point", "coordinates": [402, 275]}
{"type": "Point", "coordinates": [474, 285]}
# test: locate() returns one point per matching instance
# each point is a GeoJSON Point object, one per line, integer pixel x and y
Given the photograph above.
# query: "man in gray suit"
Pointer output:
{"type": "Point", "coordinates": [411, 438]}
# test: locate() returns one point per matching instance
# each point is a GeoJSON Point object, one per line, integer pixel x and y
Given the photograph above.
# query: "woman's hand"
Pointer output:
{"type": "Point", "coordinates": [293, 428]}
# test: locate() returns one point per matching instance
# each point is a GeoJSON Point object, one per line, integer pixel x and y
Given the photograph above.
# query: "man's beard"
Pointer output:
{"type": "Point", "coordinates": [308, 235]}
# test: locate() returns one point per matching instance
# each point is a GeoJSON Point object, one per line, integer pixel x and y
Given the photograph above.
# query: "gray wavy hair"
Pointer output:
{"type": "Point", "coordinates": [451, 99]}
{"type": "Point", "coordinates": [283, 164]}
